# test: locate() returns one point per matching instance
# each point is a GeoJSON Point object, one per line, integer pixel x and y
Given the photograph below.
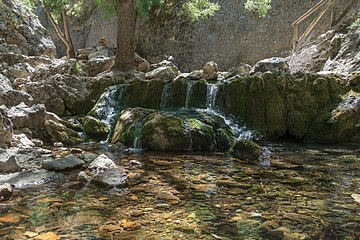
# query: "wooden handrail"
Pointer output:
{"type": "Point", "coordinates": [330, 3]}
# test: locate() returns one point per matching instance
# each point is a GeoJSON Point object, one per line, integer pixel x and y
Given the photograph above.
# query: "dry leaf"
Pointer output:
{"type": "Point", "coordinates": [47, 236]}
{"type": "Point", "coordinates": [356, 197]}
{"type": "Point", "coordinates": [10, 218]}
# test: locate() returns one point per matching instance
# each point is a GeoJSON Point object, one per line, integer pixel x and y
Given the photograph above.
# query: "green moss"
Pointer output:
{"type": "Point", "coordinates": [95, 129]}
{"type": "Point", "coordinates": [247, 150]}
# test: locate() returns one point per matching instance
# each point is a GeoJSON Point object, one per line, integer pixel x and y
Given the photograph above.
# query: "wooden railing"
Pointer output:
{"type": "Point", "coordinates": [324, 5]}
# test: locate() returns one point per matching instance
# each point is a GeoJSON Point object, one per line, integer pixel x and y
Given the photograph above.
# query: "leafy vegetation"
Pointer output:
{"type": "Point", "coordinates": [262, 7]}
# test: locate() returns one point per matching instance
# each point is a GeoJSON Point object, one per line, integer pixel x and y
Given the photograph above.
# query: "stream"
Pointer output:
{"type": "Point", "coordinates": [308, 192]}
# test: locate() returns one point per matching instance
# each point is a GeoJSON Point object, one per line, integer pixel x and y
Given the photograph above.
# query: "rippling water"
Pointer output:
{"type": "Point", "coordinates": [308, 192]}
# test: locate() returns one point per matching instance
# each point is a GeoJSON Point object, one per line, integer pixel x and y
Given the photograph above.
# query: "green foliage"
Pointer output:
{"type": "Point", "coordinates": [262, 7]}
{"type": "Point", "coordinates": [108, 7]}
{"type": "Point", "coordinates": [200, 9]}
{"type": "Point", "coordinates": [355, 25]}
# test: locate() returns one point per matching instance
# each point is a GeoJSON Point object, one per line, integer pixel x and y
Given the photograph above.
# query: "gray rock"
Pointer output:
{"type": "Point", "coordinates": [89, 157]}
{"type": "Point", "coordinates": [164, 73]}
{"type": "Point", "coordinates": [29, 179]}
{"type": "Point", "coordinates": [102, 52]}
{"type": "Point", "coordinates": [23, 116]}
{"type": "Point", "coordinates": [210, 71]}
{"type": "Point", "coordinates": [98, 65]}
{"type": "Point", "coordinates": [101, 163]}
{"type": "Point", "coordinates": [246, 150]}
{"type": "Point", "coordinates": [68, 162]}
{"type": "Point", "coordinates": [141, 64]}
{"type": "Point", "coordinates": [272, 65]}
{"type": "Point", "coordinates": [20, 70]}
{"type": "Point", "coordinates": [112, 177]}
{"type": "Point", "coordinates": [6, 192]}
{"type": "Point", "coordinates": [83, 177]}
{"type": "Point", "coordinates": [195, 75]}
{"type": "Point", "coordinates": [6, 128]}
{"type": "Point", "coordinates": [8, 164]}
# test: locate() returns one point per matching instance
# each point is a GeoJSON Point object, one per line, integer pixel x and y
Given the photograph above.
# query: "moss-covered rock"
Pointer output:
{"type": "Point", "coordinates": [165, 132]}
{"type": "Point", "coordinates": [174, 95]}
{"type": "Point", "coordinates": [339, 122]}
{"type": "Point", "coordinates": [247, 150]}
{"type": "Point", "coordinates": [95, 129]}
{"type": "Point", "coordinates": [197, 94]}
{"type": "Point", "coordinates": [203, 137]}
{"type": "Point", "coordinates": [129, 125]}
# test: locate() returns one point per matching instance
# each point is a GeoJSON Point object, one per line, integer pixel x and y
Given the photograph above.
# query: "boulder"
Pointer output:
{"type": "Point", "coordinates": [20, 70]}
{"type": "Point", "coordinates": [112, 177]}
{"type": "Point", "coordinates": [6, 192]}
{"type": "Point", "coordinates": [166, 63]}
{"type": "Point", "coordinates": [97, 65]}
{"type": "Point", "coordinates": [102, 52]}
{"type": "Point", "coordinates": [163, 73]}
{"type": "Point", "coordinates": [275, 64]}
{"type": "Point", "coordinates": [60, 164]}
{"type": "Point", "coordinates": [95, 129]}
{"type": "Point", "coordinates": [101, 163]}
{"type": "Point", "coordinates": [141, 64]}
{"type": "Point", "coordinates": [210, 71]}
{"type": "Point", "coordinates": [6, 128]}
{"type": "Point", "coordinates": [60, 133]}
{"type": "Point", "coordinates": [8, 163]}
{"type": "Point", "coordinates": [23, 116]}
{"type": "Point", "coordinates": [246, 150]}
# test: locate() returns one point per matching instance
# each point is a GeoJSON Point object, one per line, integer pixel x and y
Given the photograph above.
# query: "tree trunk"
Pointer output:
{"type": "Point", "coordinates": [69, 43]}
{"type": "Point", "coordinates": [65, 38]}
{"type": "Point", "coordinates": [125, 49]}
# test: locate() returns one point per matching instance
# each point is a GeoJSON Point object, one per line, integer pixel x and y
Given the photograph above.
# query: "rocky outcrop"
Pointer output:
{"type": "Point", "coordinates": [339, 122]}
{"type": "Point", "coordinates": [95, 129]}
{"type": "Point", "coordinates": [8, 163]}
{"type": "Point", "coordinates": [21, 31]}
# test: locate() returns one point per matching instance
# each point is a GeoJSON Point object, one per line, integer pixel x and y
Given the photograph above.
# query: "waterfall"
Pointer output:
{"type": "Point", "coordinates": [189, 86]}
{"type": "Point", "coordinates": [211, 96]}
{"type": "Point", "coordinates": [164, 97]}
{"type": "Point", "coordinates": [137, 145]}
{"type": "Point", "coordinates": [108, 107]}
{"type": "Point", "coordinates": [240, 132]}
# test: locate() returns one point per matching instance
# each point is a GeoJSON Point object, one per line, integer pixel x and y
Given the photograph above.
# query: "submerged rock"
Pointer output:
{"type": "Point", "coordinates": [112, 177]}
{"type": "Point", "coordinates": [8, 163]}
{"type": "Point", "coordinates": [246, 150]}
{"type": "Point", "coordinates": [6, 192]}
{"type": "Point", "coordinates": [60, 164]}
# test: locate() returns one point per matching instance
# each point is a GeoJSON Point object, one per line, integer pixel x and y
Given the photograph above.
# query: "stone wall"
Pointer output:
{"type": "Point", "coordinates": [230, 37]}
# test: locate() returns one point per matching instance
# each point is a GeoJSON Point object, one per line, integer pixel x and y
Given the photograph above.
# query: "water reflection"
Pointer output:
{"type": "Point", "coordinates": [306, 193]}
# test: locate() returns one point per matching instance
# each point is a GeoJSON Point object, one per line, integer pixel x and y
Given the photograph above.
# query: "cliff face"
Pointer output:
{"type": "Point", "coordinates": [21, 31]}
{"type": "Point", "coordinates": [230, 37]}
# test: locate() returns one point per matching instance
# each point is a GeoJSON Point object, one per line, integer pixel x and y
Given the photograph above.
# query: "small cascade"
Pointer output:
{"type": "Point", "coordinates": [189, 86]}
{"type": "Point", "coordinates": [137, 145]}
{"type": "Point", "coordinates": [108, 108]}
{"type": "Point", "coordinates": [189, 136]}
{"type": "Point", "coordinates": [164, 97]}
{"type": "Point", "coordinates": [212, 89]}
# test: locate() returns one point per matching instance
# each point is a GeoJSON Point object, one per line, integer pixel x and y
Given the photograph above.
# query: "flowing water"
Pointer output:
{"type": "Point", "coordinates": [309, 192]}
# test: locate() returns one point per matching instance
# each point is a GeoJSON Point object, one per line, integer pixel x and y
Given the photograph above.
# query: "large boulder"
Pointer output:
{"type": "Point", "coordinates": [101, 163]}
{"type": "Point", "coordinates": [112, 177]}
{"type": "Point", "coordinates": [23, 116]}
{"type": "Point", "coordinates": [58, 132]}
{"type": "Point", "coordinates": [183, 131]}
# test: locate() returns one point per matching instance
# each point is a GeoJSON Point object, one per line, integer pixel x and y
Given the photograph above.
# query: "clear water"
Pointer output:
{"type": "Point", "coordinates": [307, 193]}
